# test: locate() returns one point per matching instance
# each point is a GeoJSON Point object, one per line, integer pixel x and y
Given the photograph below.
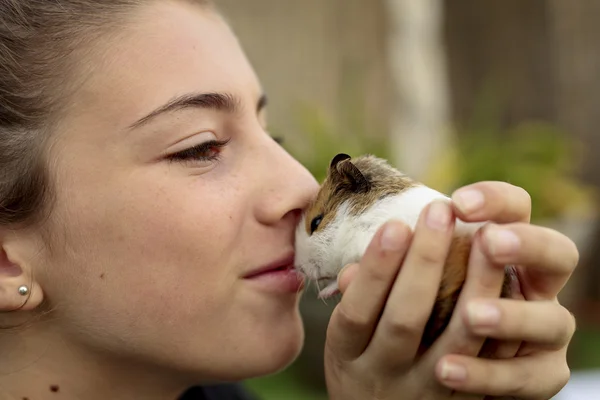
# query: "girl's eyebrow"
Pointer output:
{"type": "Point", "coordinates": [215, 101]}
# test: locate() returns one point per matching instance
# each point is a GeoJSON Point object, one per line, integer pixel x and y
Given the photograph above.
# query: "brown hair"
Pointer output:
{"type": "Point", "coordinates": [41, 42]}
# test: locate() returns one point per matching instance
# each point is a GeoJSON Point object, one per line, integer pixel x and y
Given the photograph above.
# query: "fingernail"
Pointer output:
{"type": "Point", "coordinates": [468, 200]}
{"type": "Point", "coordinates": [502, 242]}
{"type": "Point", "coordinates": [453, 372]}
{"type": "Point", "coordinates": [392, 237]}
{"type": "Point", "coordinates": [438, 217]}
{"type": "Point", "coordinates": [482, 314]}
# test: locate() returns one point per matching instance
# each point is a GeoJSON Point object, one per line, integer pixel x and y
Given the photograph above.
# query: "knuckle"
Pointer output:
{"type": "Point", "coordinates": [404, 329]}
{"type": "Point", "coordinates": [519, 205]}
{"type": "Point", "coordinates": [467, 346]}
{"type": "Point", "coordinates": [522, 381]}
{"type": "Point", "coordinates": [555, 248]}
{"type": "Point", "coordinates": [573, 322]}
{"type": "Point", "coordinates": [509, 196]}
{"type": "Point", "coordinates": [564, 375]}
{"type": "Point", "coordinates": [525, 195]}
{"type": "Point", "coordinates": [560, 378]}
{"type": "Point", "coordinates": [378, 274]}
{"type": "Point", "coordinates": [430, 255]}
{"type": "Point", "coordinates": [350, 319]}
{"type": "Point", "coordinates": [563, 335]}
{"type": "Point", "coordinates": [568, 328]}
{"type": "Point", "coordinates": [567, 251]}
{"type": "Point", "coordinates": [574, 256]}
{"type": "Point", "coordinates": [521, 196]}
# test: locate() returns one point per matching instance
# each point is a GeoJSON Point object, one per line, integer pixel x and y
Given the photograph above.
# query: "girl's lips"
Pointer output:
{"type": "Point", "coordinates": [285, 280]}
{"type": "Point", "coordinates": [286, 262]}
{"type": "Point", "coordinates": [279, 276]}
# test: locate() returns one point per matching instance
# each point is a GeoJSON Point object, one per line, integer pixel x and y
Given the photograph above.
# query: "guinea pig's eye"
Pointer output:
{"type": "Point", "coordinates": [315, 223]}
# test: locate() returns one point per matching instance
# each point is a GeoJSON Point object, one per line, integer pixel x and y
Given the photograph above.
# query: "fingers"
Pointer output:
{"type": "Point", "coordinates": [483, 280]}
{"type": "Point", "coordinates": [508, 349]}
{"type": "Point", "coordinates": [539, 377]}
{"type": "Point", "coordinates": [544, 323]}
{"type": "Point", "coordinates": [354, 318]}
{"type": "Point", "coordinates": [546, 257]}
{"type": "Point", "coordinates": [505, 348]}
{"type": "Point", "coordinates": [398, 334]}
{"type": "Point", "coordinates": [492, 201]}
{"type": "Point", "coordinates": [347, 275]}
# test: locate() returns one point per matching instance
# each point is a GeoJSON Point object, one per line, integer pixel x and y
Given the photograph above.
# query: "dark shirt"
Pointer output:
{"type": "Point", "coordinates": [218, 392]}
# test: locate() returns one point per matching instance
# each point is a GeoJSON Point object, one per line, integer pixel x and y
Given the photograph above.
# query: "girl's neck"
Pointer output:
{"type": "Point", "coordinates": [38, 362]}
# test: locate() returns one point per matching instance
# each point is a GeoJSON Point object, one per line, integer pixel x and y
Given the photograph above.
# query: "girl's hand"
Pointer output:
{"type": "Point", "coordinates": [375, 331]}
{"type": "Point", "coordinates": [536, 333]}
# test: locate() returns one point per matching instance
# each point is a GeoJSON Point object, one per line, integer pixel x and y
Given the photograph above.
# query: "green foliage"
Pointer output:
{"type": "Point", "coordinates": [535, 155]}
{"type": "Point", "coordinates": [322, 139]}
{"type": "Point", "coordinates": [585, 349]}
{"type": "Point", "coordinates": [284, 385]}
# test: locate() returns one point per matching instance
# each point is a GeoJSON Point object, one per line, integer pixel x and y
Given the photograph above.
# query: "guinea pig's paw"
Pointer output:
{"type": "Point", "coordinates": [330, 290]}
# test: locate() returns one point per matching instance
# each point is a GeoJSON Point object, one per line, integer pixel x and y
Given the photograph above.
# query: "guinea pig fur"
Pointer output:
{"type": "Point", "coordinates": [357, 197]}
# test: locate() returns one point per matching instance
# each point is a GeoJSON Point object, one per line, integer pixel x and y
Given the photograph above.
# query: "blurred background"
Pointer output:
{"type": "Point", "coordinates": [451, 92]}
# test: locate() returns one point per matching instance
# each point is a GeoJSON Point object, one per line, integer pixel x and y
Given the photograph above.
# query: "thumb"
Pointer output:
{"type": "Point", "coordinates": [346, 276]}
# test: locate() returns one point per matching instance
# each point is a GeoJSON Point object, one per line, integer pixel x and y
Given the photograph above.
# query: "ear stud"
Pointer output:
{"type": "Point", "coordinates": [23, 290]}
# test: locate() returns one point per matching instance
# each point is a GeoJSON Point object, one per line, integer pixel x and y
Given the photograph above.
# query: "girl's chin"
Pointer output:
{"type": "Point", "coordinates": [263, 365]}
{"type": "Point", "coordinates": [274, 358]}
{"type": "Point", "coordinates": [255, 354]}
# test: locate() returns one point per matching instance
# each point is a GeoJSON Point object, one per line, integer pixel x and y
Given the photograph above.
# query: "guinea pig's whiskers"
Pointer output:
{"type": "Point", "coordinates": [319, 291]}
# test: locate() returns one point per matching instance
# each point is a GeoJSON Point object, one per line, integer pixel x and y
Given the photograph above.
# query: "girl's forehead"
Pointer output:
{"type": "Point", "coordinates": [173, 51]}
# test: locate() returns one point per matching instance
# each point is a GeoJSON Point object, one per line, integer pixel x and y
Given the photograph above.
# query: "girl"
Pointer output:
{"type": "Point", "coordinates": [147, 221]}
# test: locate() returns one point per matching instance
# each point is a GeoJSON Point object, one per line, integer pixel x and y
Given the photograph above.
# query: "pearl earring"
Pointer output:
{"type": "Point", "coordinates": [23, 290]}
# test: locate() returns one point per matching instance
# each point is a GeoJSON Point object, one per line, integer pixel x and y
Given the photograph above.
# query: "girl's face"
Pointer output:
{"type": "Point", "coordinates": [170, 194]}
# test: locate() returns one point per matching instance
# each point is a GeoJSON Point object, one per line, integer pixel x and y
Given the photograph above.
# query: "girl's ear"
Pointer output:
{"type": "Point", "coordinates": [18, 288]}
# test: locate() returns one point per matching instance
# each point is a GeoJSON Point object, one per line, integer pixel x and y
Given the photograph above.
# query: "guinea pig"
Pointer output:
{"type": "Point", "coordinates": [358, 196]}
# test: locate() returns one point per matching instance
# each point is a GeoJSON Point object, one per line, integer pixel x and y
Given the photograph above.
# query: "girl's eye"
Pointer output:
{"type": "Point", "coordinates": [207, 151]}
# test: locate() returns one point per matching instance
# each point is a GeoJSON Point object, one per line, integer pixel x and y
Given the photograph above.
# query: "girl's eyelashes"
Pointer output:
{"type": "Point", "coordinates": [206, 151]}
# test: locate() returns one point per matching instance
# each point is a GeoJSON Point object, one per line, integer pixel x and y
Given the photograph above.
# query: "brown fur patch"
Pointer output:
{"type": "Point", "coordinates": [383, 180]}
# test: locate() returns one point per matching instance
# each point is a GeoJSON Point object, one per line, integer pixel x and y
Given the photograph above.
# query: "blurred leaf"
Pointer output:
{"type": "Point", "coordinates": [322, 139]}
{"type": "Point", "coordinates": [535, 155]}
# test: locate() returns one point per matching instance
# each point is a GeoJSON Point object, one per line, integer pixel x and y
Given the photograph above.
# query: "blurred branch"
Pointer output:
{"type": "Point", "coordinates": [419, 83]}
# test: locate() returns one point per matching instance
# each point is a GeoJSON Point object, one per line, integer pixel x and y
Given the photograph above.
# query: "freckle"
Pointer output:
{"type": "Point", "coordinates": [102, 276]}
{"type": "Point", "coordinates": [54, 388]}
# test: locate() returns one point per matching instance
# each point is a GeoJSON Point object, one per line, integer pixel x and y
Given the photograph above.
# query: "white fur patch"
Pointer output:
{"type": "Point", "coordinates": [345, 239]}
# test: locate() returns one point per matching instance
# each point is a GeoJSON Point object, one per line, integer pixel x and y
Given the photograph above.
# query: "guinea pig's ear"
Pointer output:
{"type": "Point", "coordinates": [351, 176]}
{"type": "Point", "coordinates": [337, 159]}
